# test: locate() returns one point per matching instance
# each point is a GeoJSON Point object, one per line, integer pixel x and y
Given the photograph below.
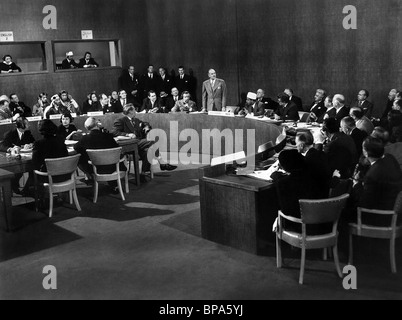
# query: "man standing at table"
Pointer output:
{"type": "Point", "coordinates": [130, 126]}
{"type": "Point", "coordinates": [213, 93]}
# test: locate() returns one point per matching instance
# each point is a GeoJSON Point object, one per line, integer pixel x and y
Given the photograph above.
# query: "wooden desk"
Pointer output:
{"type": "Point", "coordinates": [237, 211]}
{"type": "Point", "coordinates": [5, 197]}
{"type": "Point", "coordinates": [15, 166]}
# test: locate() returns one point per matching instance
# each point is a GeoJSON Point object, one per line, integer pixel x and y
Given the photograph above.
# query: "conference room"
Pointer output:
{"type": "Point", "coordinates": [225, 131]}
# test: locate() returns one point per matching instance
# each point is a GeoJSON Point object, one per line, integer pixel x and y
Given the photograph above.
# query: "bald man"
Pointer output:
{"type": "Point", "coordinates": [213, 93]}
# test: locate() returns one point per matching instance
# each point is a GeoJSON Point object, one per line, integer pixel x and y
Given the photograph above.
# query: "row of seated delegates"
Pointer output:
{"type": "Point", "coordinates": [61, 103]}
{"type": "Point", "coordinates": [153, 104]}
{"type": "Point", "coordinates": [12, 108]}
{"type": "Point", "coordinates": [130, 126]}
{"type": "Point", "coordinates": [14, 140]}
{"type": "Point", "coordinates": [86, 62]}
{"type": "Point", "coordinates": [8, 66]}
{"type": "Point", "coordinates": [138, 87]}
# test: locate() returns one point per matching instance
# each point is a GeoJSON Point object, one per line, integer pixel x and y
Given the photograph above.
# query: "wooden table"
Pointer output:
{"type": "Point", "coordinates": [237, 211]}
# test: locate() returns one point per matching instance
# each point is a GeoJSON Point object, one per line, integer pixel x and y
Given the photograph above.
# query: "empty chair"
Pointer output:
{"type": "Point", "coordinates": [391, 232]}
{"type": "Point", "coordinates": [228, 158]}
{"type": "Point", "coordinates": [55, 168]}
{"type": "Point", "coordinates": [313, 212]}
{"type": "Point", "coordinates": [304, 116]}
{"type": "Point", "coordinates": [107, 157]}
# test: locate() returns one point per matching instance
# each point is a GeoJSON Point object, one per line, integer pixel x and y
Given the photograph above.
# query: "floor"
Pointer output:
{"type": "Point", "coordinates": [150, 248]}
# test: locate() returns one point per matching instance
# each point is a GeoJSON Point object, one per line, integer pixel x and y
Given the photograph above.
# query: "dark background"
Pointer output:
{"type": "Point", "coordinates": [252, 44]}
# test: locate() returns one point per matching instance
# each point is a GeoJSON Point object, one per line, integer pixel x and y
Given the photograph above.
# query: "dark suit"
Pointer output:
{"type": "Point", "coordinates": [124, 126]}
{"type": "Point", "coordinates": [12, 138]}
{"type": "Point", "coordinates": [48, 148]}
{"type": "Point", "coordinates": [257, 108]}
{"type": "Point", "coordinates": [342, 113]}
{"type": "Point", "coordinates": [96, 139]}
{"type": "Point", "coordinates": [20, 108]}
{"type": "Point", "coordinates": [367, 107]}
{"type": "Point", "coordinates": [170, 103]}
{"type": "Point", "coordinates": [298, 102]}
{"type": "Point", "coordinates": [319, 110]}
{"type": "Point", "coordinates": [270, 104]}
{"type": "Point", "coordinates": [358, 137]}
{"type": "Point", "coordinates": [342, 154]}
{"type": "Point", "coordinates": [164, 85]}
{"type": "Point", "coordinates": [83, 62]}
{"type": "Point", "coordinates": [147, 84]}
{"type": "Point", "coordinates": [381, 184]}
{"type": "Point", "coordinates": [183, 84]}
{"type": "Point", "coordinates": [66, 64]}
{"type": "Point", "coordinates": [320, 172]}
{"type": "Point", "coordinates": [331, 113]}
{"type": "Point", "coordinates": [130, 84]}
{"type": "Point", "coordinates": [147, 105]}
{"type": "Point", "coordinates": [289, 112]}
{"type": "Point", "coordinates": [387, 109]}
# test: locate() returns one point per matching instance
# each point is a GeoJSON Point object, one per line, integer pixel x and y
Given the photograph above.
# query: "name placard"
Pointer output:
{"type": "Point", "coordinates": [87, 34]}
{"type": "Point", "coordinates": [55, 117]}
{"type": "Point", "coordinates": [6, 36]}
{"type": "Point", "coordinates": [5, 121]}
{"type": "Point", "coordinates": [95, 114]}
{"type": "Point", "coordinates": [74, 115]}
{"type": "Point", "coordinates": [221, 114]}
{"type": "Point", "coordinates": [31, 119]}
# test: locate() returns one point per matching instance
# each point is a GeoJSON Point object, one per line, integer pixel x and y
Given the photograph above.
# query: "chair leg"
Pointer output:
{"type": "Point", "coordinates": [392, 255]}
{"type": "Point", "coordinates": [350, 260]}
{"type": "Point", "coordinates": [121, 189]}
{"type": "Point", "coordinates": [278, 252]}
{"type": "Point", "coordinates": [50, 204]}
{"type": "Point", "coordinates": [126, 183]}
{"type": "Point", "coordinates": [324, 254]}
{"type": "Point", "coordinates": [302, 265]}
{"type": "Point", "coordinates": [96, 187]}
{"type": "Point", "coordinates": [77, 204]}
{"type": "Point", "coordinates": [336, 259]}
{"type": "Point", "coordinates": [71, 196]}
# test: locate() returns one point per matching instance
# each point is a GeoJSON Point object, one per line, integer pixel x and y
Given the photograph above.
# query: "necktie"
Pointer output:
{"type": "Point", "coordinates": [181, 77]}
{"type": "Point", "coordinates": [150, 75]}
{"type": "Point", "coordinates": [360, 103]}
{"type": "Point", "coordinates": [212, 83]}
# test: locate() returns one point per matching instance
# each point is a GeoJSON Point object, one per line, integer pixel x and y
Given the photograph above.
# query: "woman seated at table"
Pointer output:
{"type": "Point", "coordinates": [91, 104]}
{"type": "Point", "coordinates": [67, 129]}
{"type": "Point", "coordinates": [52, 146]}
{"type": "Point", "coordinates": [87, 61]}
{"type": "Point", "coordinates": [8, 66]}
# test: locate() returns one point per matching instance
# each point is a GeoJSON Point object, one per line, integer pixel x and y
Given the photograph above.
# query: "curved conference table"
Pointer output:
{"type": "Point", "coordinates": [199, 129]}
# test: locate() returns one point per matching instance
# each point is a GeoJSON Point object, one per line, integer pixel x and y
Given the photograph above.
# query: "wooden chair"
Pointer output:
{"type": "Point", "coordinates": [390, 232]}
{"type": "Point", "coordinates": [304, 116]}
{"type": "Point", "coordinates": [105, 157]}
{"type": "Point", "coordinates": [58, 167]}
{"type": "Point", "coordinates": [312, 212]}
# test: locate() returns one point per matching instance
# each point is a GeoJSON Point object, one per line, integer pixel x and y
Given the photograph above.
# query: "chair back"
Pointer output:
{"type": "Point", "coordinates": [265, 146]}
{"type": "Point", "coordinates": [104, 157]}
{"type": "Point", "coordinates": [61, 166]}
{"type": "Point", "coordinates": [322, 211]}
{"type": "Point", "coordinates": [304, 116]}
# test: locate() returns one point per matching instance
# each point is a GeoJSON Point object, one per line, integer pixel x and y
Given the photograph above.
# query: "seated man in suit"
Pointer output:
{"type": "Point", "coordinates": [96, 139]}
{"type": "Point", "coordinates": [339, 147]}
{"type": "Point", "coordinates": [171, 101]}
{"type": "Point", "coordinates": [254, 107]}
{"type": "Point", "coordinates": [18, 107]}
{"type": "Point", "coordinates": [151, 104]}
{"type": "Point", "coordinates": [362, 103]}
{"type": "Point", "coordinates": [87, 61]}
{"type": "Point", "coordinates": [316, 163]}
{"type": "Point", "coordinates": [15, 140]}
{"type": "Point", "coordinates": [69, 62]}
{"type": "Point", "coordinates": [295, 99]}
{"type": "Point", "coordinates": [348, 126]}
{"type": "Point", "coordinates": [317, 108]}
{"type": "Point", "coordinates": [362, 122]}
{"type": "Point", "coordinates": [383, 180]}
{"type": "Point", "coordinates": [287, 109]}
{"type": "Point", "coordinates": [130, 126]}
{"type": "Point", "coordinates": [268, 102]}
{"type": "Point", "coordinates": [341, 110]}
{"type": "Point", "coordinates": [331, 111]}
{"type": "Point", "coordinates": [185, 104]}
